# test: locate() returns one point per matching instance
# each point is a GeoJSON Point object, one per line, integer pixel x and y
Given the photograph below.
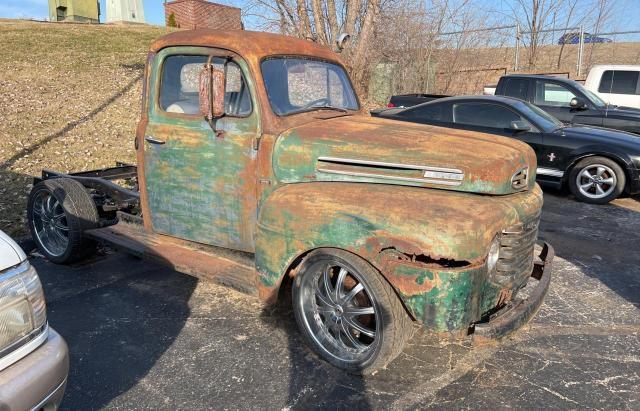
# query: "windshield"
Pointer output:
{"type": "Point", "coordinates": [595, 99]}
{"type": "Point", "coordinates": [296, 84]}
{"type": "Point", "coordinates": [541, 118]}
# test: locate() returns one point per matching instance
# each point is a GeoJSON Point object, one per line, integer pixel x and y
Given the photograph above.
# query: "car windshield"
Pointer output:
{"type": "Point", "coordinates": [541, 118]}
{"type": "Point", "coordinates": [593, 97]}
{"type": "Point", "coordinates": [297, 84]}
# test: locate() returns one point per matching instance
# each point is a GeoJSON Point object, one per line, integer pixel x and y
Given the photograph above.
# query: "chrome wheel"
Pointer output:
{"type": "Point", "coordinates": [339, 312]}
{"type": "Point", "coordinates": [596, 181]}
{"type": "Point", "coordinates": [50, 223]}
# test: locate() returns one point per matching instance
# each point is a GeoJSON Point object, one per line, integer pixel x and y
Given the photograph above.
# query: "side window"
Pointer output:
{"type": "Point", "coordinates": [431, 112]}
{"type": "Point", "coordinates": [484, 115]}
{"type": "Point", "coordinates": [517, 87]}
{"type": "Point", "coordinates": [179, 85]}
{"type": "Point", "coordinates": [552, 94]}
{"type": "Point", "coordinates": [619, 82]}
{"type": "Point", "coordinates": [179, 88]}
{"type": "Point", "coordinates": [237, 99]}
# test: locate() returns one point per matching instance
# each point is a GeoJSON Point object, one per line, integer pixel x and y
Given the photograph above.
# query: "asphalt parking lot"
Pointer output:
{"type": "Point", "coordinates": [145, 337]}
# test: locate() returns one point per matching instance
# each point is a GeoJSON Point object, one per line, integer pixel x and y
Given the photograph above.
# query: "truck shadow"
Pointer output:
{"type": "Point", "coordinates": [313, 383]}
{"type": "Point", "coordinates": [600, 239]}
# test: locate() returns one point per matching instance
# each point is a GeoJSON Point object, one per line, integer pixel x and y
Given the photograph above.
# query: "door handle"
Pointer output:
{"type": "Point", "coordinates": [153, 140]}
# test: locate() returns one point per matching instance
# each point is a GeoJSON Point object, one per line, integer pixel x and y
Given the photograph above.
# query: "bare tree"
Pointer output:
{"type": "Point", "coordinates": [536, 16]}
{"type": "Point", "coordinates": [323, 21]}
{"type": "Point", "coordinates": [603, 13]}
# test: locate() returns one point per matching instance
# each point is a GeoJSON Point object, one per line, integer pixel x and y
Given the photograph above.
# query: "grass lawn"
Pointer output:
{"type": "Point", "coordinates": [69, 101]}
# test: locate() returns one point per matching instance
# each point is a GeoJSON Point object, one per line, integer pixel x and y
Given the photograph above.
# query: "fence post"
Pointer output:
{"type": "Point", "coordinates": [580, 51]}
{"type": "Point", "coordinates": [517, 57]}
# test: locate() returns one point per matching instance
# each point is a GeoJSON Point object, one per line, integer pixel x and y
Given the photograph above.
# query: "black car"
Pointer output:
{"type": "Point", "coordinates": [565, 99]}
{"type": "Point", "coordinates": [597, 164]}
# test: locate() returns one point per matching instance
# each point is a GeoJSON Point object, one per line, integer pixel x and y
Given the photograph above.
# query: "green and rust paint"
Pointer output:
{"type": "Point", "coordinates": [258, 188]}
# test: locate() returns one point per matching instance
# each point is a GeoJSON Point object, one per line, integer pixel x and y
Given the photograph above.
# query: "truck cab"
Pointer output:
{"type": "Point", "coordinates": [258, 168]}
{"type": "Point", "coordinates": [617, 85]}
{"type": "Point", "coordinates": [568, 101]}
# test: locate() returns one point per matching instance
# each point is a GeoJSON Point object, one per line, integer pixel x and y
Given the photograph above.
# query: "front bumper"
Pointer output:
{"type": "Point", "coordinates": [38, 380]}
{"type": "Point", "coordinates": [518, 312]}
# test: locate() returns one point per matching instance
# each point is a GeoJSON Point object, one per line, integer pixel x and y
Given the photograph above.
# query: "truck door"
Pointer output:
{"type": "Point", "coordinates": [554, 98]}
{"type": "Point", "coordinates": [200, 183]}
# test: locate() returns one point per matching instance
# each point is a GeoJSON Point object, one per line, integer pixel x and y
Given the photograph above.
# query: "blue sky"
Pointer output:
{"type": "Point", "coordinates": [625, 17]}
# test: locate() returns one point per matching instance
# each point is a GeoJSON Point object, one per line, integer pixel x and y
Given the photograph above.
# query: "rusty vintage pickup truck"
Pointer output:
{"type": "Point", "coordinates": [257, 167]}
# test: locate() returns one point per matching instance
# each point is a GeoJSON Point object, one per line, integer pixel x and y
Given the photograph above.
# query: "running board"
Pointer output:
{"type": "Point", "coordinates": [231, 268]}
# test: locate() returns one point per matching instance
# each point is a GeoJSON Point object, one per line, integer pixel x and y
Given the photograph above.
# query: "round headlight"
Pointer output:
{"type": "Point", "coordinates": [494, 254]}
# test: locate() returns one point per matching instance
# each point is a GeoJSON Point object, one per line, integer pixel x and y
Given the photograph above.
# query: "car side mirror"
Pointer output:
{"type": "Point", "coordinates": [519, 125]}
{"type": "Point", "coordinates": [577, 104]}
{"type": "Point", "coordinates": [211, 92]}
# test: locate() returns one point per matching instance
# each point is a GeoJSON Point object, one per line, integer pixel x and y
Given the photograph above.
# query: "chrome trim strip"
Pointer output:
{"type": "Point", "coordinates": [395, 178]}
{"type": "Point", "coordinates": [49, 396]}
{"type": "Point", "coordinates": [543, 171]}
{"type": "Point", "coordinates": [24, 350]}
{"type": "Point", "coordinates": [383, 164]}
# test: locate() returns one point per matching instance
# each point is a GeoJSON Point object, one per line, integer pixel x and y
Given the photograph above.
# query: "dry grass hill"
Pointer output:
{"type": "Point", "coordinates": [69, 100]}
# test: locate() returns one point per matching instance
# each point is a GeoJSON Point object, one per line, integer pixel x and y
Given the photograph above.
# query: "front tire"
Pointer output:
{"type": "Point", "coordinates": [347, 313]}
{"type": "Point", "coordinates": [58, 212]}
{"type": "Point", "coordinates": [597, 180]}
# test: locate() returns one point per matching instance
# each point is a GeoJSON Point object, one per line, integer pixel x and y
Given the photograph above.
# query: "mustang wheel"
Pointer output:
{"type": "Point", "coordinates": [597, 180]}
{"type": "Point", "coordinates": [347, 312]}
{"type": "Point", "coordinates": [59, 210]}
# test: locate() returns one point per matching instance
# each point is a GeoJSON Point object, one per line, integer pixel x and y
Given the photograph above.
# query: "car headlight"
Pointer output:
{"type": "Point", "coordinates": [22, 305]}
{"type": "Point", "coordinates": [494, 254]}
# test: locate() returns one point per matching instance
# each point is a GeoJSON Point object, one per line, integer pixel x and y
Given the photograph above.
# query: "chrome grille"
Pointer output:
{"type": "Point", "coordinates": [515, 260]}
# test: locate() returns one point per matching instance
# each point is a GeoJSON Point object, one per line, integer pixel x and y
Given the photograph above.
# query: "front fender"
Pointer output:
{"type": "Point", "coordinates": [380, 222]}
{"type": "Point", "coordinates": [620, 156]}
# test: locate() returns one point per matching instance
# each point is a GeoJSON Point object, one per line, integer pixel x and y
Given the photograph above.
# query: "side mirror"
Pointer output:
{"type": "Point", "coordinates": [519, 125]}
{"type": "Point", "coordinates": [211, 92]}
{"type": "Point", "coordinates": [577, 103]}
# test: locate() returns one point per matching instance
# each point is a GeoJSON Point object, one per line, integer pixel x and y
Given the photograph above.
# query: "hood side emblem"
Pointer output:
{"type": "Point", "coordinates": [390, 171]}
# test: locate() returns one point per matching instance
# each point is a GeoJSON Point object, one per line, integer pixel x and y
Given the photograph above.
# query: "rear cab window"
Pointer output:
{"type": "Point", "coordinates": [517, 88]}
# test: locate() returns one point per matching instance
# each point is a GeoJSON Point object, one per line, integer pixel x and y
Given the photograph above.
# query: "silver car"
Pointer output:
{"type": "Point", "coordinates": [34, 359]}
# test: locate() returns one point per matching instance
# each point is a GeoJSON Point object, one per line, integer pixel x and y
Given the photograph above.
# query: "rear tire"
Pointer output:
{"type": "Point", "coordinates": [58, 212]}
{"type": "Point", "coordinates": [347, 313]}
{"type": "Point", "coordinates": [597, 180]}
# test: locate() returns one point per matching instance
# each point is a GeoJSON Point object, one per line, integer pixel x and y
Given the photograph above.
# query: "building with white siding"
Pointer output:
{"type": "Point", "coordinates": [125, 11]}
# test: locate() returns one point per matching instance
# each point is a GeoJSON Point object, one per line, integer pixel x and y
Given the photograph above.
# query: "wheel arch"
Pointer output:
{"type": "Point", "coordinates": [291, 270]}
{"type": "Point", "coordinates": [618, 159]}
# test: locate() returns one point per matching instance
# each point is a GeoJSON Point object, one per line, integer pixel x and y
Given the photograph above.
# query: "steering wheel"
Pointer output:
{"type": "Point", "coordinates": [324, 100]}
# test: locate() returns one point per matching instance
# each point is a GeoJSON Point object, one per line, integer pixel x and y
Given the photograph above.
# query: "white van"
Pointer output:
{"type": "Point", "coordinates": [616, 84]}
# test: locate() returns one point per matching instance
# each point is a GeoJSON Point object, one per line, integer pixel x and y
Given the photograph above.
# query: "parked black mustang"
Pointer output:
{"type": "Point", "coordinates": [597, 164]}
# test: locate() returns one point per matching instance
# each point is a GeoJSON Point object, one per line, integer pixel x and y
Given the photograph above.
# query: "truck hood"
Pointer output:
{"type": "Point", "coordinates": [623, 112]}
{"type": "Point", "coordinates": [377, 150]}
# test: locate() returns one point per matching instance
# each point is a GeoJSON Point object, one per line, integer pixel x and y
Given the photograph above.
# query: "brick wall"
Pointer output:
{"type": "Point", "coordinates": [196, 14]}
